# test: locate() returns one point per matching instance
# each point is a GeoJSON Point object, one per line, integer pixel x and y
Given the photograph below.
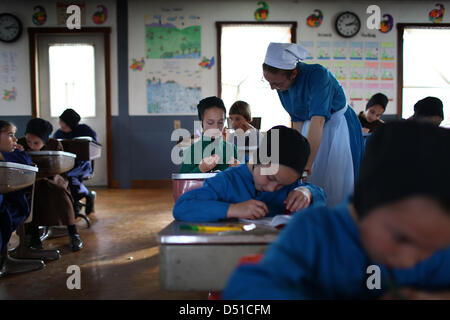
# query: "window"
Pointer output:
{"type": "Point", "coordinates": [72, 79]}
{"type": "Point", "coordinates": [242, 51]}
{"type": "Point", "coordinates": [426, 68]}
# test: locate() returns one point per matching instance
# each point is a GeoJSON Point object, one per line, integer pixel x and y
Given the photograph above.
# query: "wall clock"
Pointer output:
{"type": "Point", "coordinates": [347, 24]}
{"type": "Point", "coordinates": [10, 27]}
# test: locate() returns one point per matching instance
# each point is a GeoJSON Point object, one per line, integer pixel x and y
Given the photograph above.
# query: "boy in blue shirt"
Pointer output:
{"type": "Point", "coordinates": [395, 229]}
{"type": "Point", "coordinates": [248, 192]}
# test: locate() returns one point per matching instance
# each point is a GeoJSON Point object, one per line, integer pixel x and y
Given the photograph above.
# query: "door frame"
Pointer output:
{"type": "Point", "coordinates": [400, 31]}
{"type": "Point", "coordinates": [33, 34]}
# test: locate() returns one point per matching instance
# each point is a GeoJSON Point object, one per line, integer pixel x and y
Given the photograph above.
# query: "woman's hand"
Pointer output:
{"type": "Point", "coordinates": [365, 130]}
{"type": "Point", "coordinates": [297, 199]}
{"type": "Point", "coordinates": [250, 209]}
{"type": "Point", "coordinates": [208, 163]}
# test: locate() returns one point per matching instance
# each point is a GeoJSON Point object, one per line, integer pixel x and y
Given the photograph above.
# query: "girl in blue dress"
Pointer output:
{"type": "Point", "coordinates": [318, 108]}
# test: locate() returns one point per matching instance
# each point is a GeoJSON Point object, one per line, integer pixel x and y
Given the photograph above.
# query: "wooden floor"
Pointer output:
{"type": "Point", "coordinates": [120, 256]}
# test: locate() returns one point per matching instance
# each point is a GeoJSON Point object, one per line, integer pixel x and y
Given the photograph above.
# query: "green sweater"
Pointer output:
{"type": "Point", "coordinates": [192, 155]}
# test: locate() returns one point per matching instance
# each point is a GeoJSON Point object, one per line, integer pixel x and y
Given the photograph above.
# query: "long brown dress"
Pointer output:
{"type": "Point", "coordinates": [53, 203]}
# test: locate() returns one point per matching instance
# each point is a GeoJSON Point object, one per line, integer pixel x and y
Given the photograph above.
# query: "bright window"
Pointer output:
{"type": "Point", "coordinates": [243, 48]}
{"type": "Point", "coordinates": [426, 68]}
{"type": "Point", "coordinates": [72, 79]}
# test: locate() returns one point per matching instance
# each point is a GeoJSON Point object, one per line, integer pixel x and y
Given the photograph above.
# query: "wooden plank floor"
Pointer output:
{"type": "Point", "coordinates": [120, 256]}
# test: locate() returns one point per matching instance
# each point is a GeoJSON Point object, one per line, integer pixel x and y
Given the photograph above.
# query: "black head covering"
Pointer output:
{"type": "Point", "coordinates": [71, 118]}
{"type": "Point", "coordinates": [378, 98]}
{"type": "Point", "coordinates": [394, 162]}
{"type": "Point", "coordinates": [429, 106]}
{"type": "Point", "coordinates": [293, 148]}
{"type": "Point", "coordinates": [210, 102]}
{"type": "Point", "coordinates": [40, 128]}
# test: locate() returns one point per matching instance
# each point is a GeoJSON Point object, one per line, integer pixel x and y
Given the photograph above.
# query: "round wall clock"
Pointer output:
{"type": "Point", "coordinates": [347, 24]}
{"type": "Point", "coordinates": [10, 27]}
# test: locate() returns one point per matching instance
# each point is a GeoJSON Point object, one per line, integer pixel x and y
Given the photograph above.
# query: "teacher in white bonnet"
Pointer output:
{"type": "Point", "coordinates": [318, 108]}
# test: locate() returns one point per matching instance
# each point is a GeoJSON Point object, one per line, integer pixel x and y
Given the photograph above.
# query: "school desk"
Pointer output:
{"type": "Point", "coordinates": [85, 148]}
{"type": "Point", "coordinates": [16, 176]}
{"type": "Point", "coordinates": [203, 260]}
{"type": "Point", "coordinates": [184, 182]}
{"type": "Point", "coordinates": [51, 163]}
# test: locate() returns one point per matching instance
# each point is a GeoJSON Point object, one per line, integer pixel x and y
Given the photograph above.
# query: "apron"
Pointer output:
{"type": "Point", "coordinates": [333, 167]}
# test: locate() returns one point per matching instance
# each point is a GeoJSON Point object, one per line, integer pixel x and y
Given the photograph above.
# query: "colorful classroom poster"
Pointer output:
{"type": "Point", "coordinates": [371, 50]}
{"type": "Point", "coordinates": [356, 50]}
{"type": "Point", "coordinates": [387, 71]}
{"type": "Point", "coordinates": [339, 50]}
{"type": "Point", "coordinates": [356, 71]}
{"type": "Point", "coordinates": [165, 95]}
{"type": "Point", "coordinates": [8, 75]}
{"type": "Point", "coordinates": [323, 50]}
{"type": "Point", "coordinates": [372, 71]}
{"type": "Point", "coordinates": [172, 36]}
{"type": "Point", "coordinates": [309, 46]}
{"type": "Point", "coordinates": [173, 72]}
{"type": "Point", "coordinates": [340, 71]}
{"type": "Point", "coordinates": [387, 51]}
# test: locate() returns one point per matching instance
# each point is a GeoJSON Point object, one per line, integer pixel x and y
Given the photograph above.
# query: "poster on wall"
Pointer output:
{"type": "Point", "coordinates": [8, 75]}
{"type": "Point", "coordinates": [174, 62]}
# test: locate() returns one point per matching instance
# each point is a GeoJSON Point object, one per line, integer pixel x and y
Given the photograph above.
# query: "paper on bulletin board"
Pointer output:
{"type": "Point", "coordinates": [339, 50]}
{"type": "Point", "coordinates": [173, 86]}
{"type": "Point", "coordinates": [309, 46]}
{"type": "Point", "coordinates": [8, 75]}
{"type": "Point", "coordinates": [371, 50]}
{"type": "Point", "coordinates": [174, 65]}
{"type": "Point", "coordinates": [172, 36]}
{"type": "Point", "coordinates": [323, 50]}
{"type": "Point", "coordinates": [356, 50]}
{"type": "Point", "coordinates": [387, 51]}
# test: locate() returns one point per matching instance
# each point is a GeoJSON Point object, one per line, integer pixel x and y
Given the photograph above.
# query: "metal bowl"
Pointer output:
{"type": "Point", "coordinates": [15, 176]}
{"type": "Point", "coordinates": [51, 163]}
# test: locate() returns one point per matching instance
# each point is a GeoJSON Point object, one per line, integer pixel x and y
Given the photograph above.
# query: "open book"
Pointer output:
{"type": "Point", "coordinates": [274, 222]}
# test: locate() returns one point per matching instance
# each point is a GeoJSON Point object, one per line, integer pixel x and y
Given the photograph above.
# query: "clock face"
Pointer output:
{"type": "Point", "coordinates": [10, 27]}
{"type": "Point", "coordinates": [347, 24]}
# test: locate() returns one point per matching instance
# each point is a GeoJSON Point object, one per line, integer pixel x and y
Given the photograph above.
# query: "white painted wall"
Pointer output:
{"type": "Point", "coordinates": [24, 10]}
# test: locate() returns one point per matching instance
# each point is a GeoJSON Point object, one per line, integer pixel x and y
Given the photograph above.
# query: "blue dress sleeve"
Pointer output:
{"type": "Point", "coordinates": [321, 92]}
{"type": "Point", "coordinates": [205, 204]}
{"type": "Point", "coordinates": [286, 270]}
{"type": "Point", "coordinates": [17, 156]}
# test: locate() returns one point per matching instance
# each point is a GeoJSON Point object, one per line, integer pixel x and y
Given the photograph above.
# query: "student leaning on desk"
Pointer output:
{"type": "Point", "coordinates": [248, 192]}
{"type": "Point", "coordinates": [391, 239]}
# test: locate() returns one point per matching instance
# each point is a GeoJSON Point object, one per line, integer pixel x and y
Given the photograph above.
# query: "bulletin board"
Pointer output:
{"type": "Point", "coordinates": [362, 67]}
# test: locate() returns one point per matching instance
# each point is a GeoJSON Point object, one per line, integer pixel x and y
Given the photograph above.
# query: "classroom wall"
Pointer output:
{"type": "Point", "coordinates": [152, 132]}
{"type": "Point", "coordinates": [23, 9]}
{"type": "Point", "coordinates": [141, 140]}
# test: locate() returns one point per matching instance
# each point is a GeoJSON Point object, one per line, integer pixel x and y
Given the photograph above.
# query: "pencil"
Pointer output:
{"type": "Point", "coordinates": [210, 228]}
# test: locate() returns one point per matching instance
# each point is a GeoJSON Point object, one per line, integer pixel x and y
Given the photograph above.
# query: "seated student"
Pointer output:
{"type": "Point", "coordinates": [14, 207]}
{"type": "Point", "coordinates": [70, 128]}
{"type": "Point", "coordinates": [240, 118]}
{"type": "Point", "coordinates": [394, 220]}
{"type": "Point", "coordinates": [210, 153]}
{"type": "Point", "coordinates": [53, 203]}
{"type": "Point", "coordinates": [429, 109]}
{"type": "Point", "coordinates": [248, 192]}
{"type": "Point", "coordinates": [370, 119]}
